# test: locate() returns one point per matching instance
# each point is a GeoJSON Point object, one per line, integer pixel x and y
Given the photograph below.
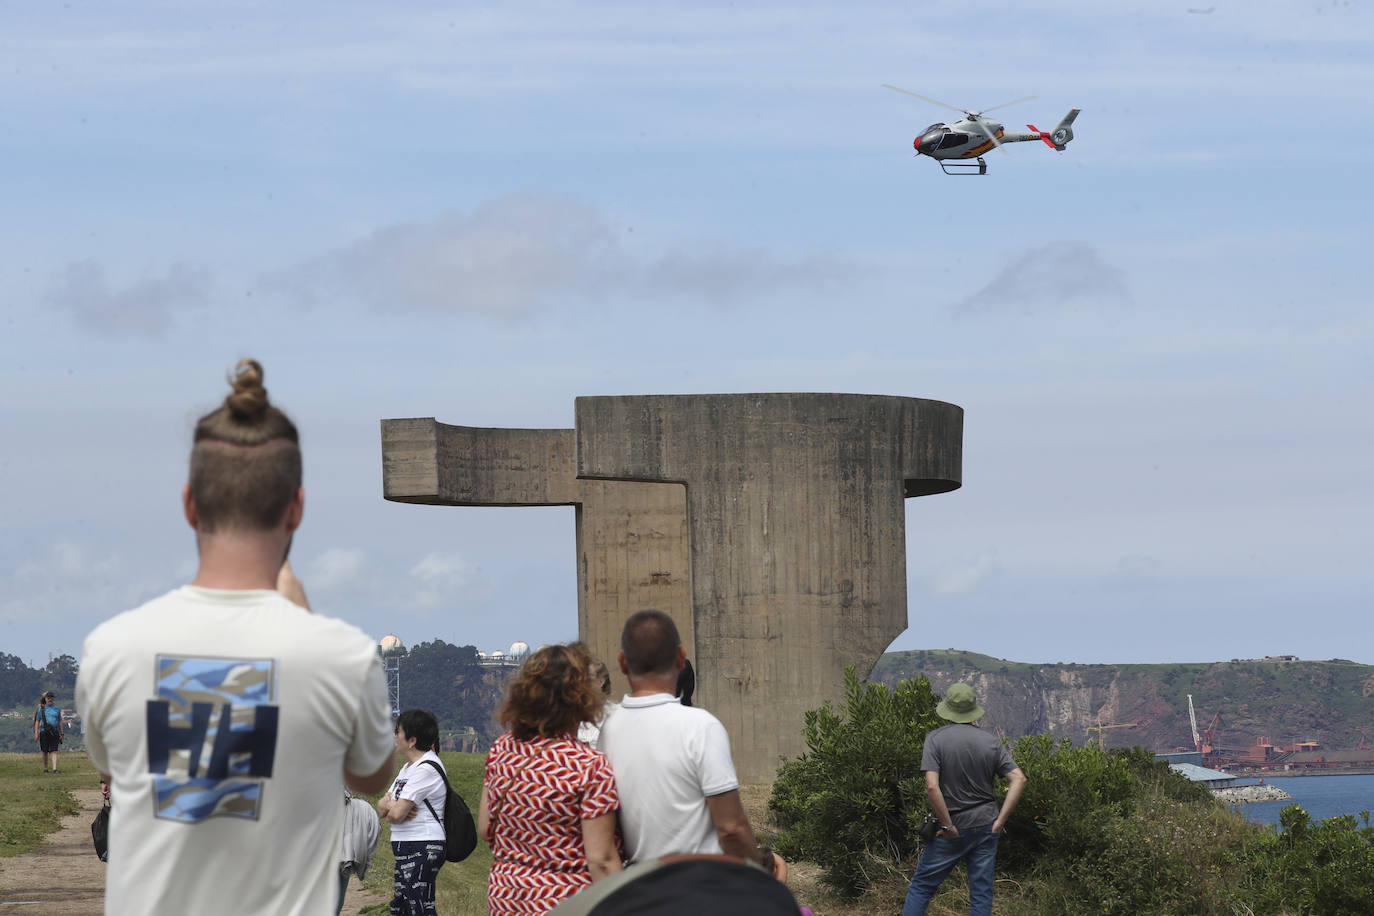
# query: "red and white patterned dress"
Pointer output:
{"type": "Point", "coordinates": [539, 792]}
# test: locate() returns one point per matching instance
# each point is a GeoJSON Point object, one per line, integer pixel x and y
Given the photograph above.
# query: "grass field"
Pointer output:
{"type": "Point", "coordinates": [32, 804]}
{"type": "Point", "coordinates": [462, 885]}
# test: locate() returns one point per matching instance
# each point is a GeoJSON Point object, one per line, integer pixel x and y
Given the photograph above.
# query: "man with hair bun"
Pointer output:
{"type": "Point", "coordinates": [673, 770]}
{"type": "Point", "coordinates": [225, 716]}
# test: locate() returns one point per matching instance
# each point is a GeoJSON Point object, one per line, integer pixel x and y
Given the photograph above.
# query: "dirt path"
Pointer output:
{"type": "Point", "coordinates": [64, 877]}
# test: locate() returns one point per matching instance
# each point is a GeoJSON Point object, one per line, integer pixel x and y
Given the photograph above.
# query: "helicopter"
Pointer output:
{"type": "Point", "coordinates": [972, 135]}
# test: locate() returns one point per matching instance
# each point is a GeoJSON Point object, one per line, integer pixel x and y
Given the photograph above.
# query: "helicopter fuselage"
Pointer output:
{"type": "Point", "coordinates": [965, 138]}
{"type": "Point", "coordinates": [973, 135]}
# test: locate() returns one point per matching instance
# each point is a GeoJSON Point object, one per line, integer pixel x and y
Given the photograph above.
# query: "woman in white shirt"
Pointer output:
{"type": "Point", "coordinates": [415, 809]}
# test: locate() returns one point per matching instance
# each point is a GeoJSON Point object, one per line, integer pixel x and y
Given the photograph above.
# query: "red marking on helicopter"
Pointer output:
{"type": "Point", "coordinates": [1043, 136]}
{"type": "Point", "coordinates": [981, 148]}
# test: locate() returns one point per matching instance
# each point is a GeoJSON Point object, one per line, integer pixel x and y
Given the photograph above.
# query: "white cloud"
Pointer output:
{"type": "Point", "coordinates": [1050, 276]}
{"type": "Point", "coordinates": [68, 562]}
{"type": "Point", "coordinates": [78, 585]}
{"type": "Point", "coordinates": [441, 577]}
{"type": "Point", "coordinates": [964, 578]}
{"type": "Point", "coordinates": [334, 568]}
{"type": "Point", "coordinates": [141, 308]}
{"type": "Point", "coordinates": [518, 253]}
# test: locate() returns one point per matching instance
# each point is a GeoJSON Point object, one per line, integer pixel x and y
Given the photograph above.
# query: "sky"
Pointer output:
{"type": "Point", "coordinates": [1161, 337]}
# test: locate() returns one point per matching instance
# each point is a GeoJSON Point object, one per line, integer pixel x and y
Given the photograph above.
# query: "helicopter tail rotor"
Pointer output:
{"type": "Point", "coordinates": [1063, 132]}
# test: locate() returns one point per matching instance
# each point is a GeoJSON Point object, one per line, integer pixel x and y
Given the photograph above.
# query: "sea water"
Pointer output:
{"type": "Point", "coordinates": [1322, 796]}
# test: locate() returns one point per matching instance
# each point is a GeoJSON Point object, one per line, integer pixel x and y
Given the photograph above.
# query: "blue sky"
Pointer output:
{"type": "Point", "coordinates": [1161, 337]}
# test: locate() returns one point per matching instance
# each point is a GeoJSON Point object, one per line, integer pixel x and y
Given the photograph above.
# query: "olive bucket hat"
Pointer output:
{"type": "Point", "coordinates": [959, 704]}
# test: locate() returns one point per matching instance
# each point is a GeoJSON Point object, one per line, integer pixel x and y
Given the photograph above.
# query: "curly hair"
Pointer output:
{"type": "Point", "coordinates": [552, 694]}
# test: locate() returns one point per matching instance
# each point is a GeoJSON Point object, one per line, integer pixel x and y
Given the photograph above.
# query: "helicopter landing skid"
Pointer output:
{"type": "Point", "coordinates": [951, 167]}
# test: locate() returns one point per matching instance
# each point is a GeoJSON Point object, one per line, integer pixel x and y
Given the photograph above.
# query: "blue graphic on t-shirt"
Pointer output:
{"type": "Point", "coordinates": [212, 736]}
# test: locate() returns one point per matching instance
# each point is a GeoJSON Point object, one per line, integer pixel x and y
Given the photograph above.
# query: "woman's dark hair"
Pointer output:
{"type": "Point", "coordinates": [686, 683]}
{"type": "Point", "coordinates": [552, 694]}
{"type": "Point", "coordinates": [246, 458]}
{"type": "Point", "coordinates": [421, 725]}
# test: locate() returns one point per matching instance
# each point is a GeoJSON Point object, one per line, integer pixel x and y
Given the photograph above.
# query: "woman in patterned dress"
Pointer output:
{"type": "Point", "coordinates": [548, 800]}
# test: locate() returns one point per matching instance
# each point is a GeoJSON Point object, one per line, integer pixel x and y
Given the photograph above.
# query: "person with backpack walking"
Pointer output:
{"type": "Point", "coordinates": [415, 808]}
{"type": "Point", "coordinates": [47, 729]}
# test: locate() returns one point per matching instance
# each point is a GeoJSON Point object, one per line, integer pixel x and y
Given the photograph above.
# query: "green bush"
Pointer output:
{"type": "Point", "coordinates": [1322, 868]}
{"type": "Point", "coordinates": [1072, 793]}
{"type": "Point", "coordinates": [852, 801]}
{"type": "Point", "coordinates": [1096, 833]}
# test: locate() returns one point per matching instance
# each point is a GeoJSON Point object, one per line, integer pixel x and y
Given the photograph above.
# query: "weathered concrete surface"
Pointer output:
{"type": "Point", "coordinates": [797, 532]}
{"type": "Point", "coordinates": [631, 537]}
{"type": "Point", "coordinates": [771, 526]}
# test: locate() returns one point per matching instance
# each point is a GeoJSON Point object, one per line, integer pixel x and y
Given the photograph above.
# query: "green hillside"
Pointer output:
{"type": "Point", "coordinates": [1331, 702]}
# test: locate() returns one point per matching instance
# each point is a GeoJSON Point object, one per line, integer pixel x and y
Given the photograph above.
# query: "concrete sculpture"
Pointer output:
{"type": "Point", "coordinates": [770, 526]}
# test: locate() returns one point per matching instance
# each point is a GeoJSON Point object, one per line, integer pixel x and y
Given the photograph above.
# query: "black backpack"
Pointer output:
{"type": "Point", "coordinates": [460, 833]}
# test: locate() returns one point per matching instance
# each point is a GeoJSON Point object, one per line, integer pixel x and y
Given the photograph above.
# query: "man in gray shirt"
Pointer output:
{"type": "Point", "coordinates": [962, 764]}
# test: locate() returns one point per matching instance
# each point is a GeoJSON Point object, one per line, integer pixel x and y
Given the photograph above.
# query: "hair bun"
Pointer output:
{"type": "Point", "coordinates": [249, 400]}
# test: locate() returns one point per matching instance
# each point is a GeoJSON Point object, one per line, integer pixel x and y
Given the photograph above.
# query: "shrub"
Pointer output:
{"type": "Point", "coordinates": [852, 801]}
{"type": "Point", "coordinates": [1071, 795]}
{"type": "Point", "coordinates": [1322, 868]}
{"type": "Point", "coordinates": [1096, 832]}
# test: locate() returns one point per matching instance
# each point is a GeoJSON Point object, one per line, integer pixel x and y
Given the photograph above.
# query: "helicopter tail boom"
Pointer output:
{"type": "Point", "coordinates": [1063, 132]}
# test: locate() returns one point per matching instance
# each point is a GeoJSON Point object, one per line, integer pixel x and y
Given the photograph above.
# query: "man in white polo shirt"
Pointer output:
{"type": "Point", "coordinates": [677, 784]}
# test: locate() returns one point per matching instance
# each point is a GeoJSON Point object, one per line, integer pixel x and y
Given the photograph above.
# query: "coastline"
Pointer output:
{"type": "Point", "coordinates": [1269, 773]}
{"type": "Point", "coordinates": [1242, 795]}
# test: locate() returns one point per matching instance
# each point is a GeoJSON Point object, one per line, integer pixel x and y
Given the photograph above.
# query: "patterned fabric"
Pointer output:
{"type": "Point", "coordinates": [539, 792]}
{"type": "Point", "coordinates": [417, 876]}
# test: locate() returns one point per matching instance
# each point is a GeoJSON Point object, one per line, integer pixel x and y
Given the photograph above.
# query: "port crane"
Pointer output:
{"type": "Point", "coordinates": [1100, 728]}
{"type": "Point", "coordinates": [1206, 741]}
{"type": "Point", "coordinates": [1192, 717]}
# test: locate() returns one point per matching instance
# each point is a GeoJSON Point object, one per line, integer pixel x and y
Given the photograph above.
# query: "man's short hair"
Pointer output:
{"type": "Point", "coordinates": [650, 642]}
{"type": "Point", "coordinates": [421, 725]}
{"type": "Point", "coordinates": [246, 460]}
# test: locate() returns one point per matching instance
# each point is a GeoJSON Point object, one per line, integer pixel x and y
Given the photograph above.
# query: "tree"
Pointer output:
{"type": "Point", "coordinates": [19, 684]}
{"type": "Point", "coordinates": [853, 800]}
{"type": "Point", "coordinates": [447, 680]}
{"type": "Point", "coordinates": [60, 673]}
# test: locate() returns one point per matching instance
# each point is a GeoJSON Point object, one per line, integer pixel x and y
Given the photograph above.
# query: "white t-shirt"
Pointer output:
{"type": "Point", "coordinates": [415, 783]}
{"type": "Point", "coordinates": [226, 720]}
{"type": "Point", "coordinates": [589, 732]}
{"type": "Point", "coordinates": [668, 759]}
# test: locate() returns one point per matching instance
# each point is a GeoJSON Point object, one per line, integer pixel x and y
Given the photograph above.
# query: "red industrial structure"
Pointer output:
{"type": "Point", "coordinates": [1264, 754]}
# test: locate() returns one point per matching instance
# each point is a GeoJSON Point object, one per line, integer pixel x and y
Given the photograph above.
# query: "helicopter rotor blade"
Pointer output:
{"type": "Point", "coordinates": [924, 99]}
{"type": "Point", "coordinates": [1008, 104]}
{"type": "Point", "coordinates": [990, 135]}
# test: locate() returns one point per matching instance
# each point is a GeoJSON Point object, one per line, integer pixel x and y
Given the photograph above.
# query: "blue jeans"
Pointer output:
{"type": "Point", "coordinates": [417, 871]}
{"type": "Point", "coordinates": [977, 846]}
{"type": "Point", "coordinates": [345, 869]}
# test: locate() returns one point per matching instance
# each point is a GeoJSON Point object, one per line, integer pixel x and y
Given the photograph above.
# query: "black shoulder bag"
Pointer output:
{"type": "Point", "coordinates": [460, 833]}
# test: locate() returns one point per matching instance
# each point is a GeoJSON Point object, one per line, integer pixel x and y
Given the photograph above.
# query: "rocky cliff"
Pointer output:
{"type": "Point", "coordinates": [1283, 699]}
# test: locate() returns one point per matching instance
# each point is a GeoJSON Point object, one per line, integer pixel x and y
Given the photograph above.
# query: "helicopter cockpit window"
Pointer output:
{"type": "Point", "coordinates": [936, 126]}
{"type": "Point", "coordinates": [953, 139]}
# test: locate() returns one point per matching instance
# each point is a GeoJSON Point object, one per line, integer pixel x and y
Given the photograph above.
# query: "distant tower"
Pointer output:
{"type": "Point", "coordinates": [391, 649]}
